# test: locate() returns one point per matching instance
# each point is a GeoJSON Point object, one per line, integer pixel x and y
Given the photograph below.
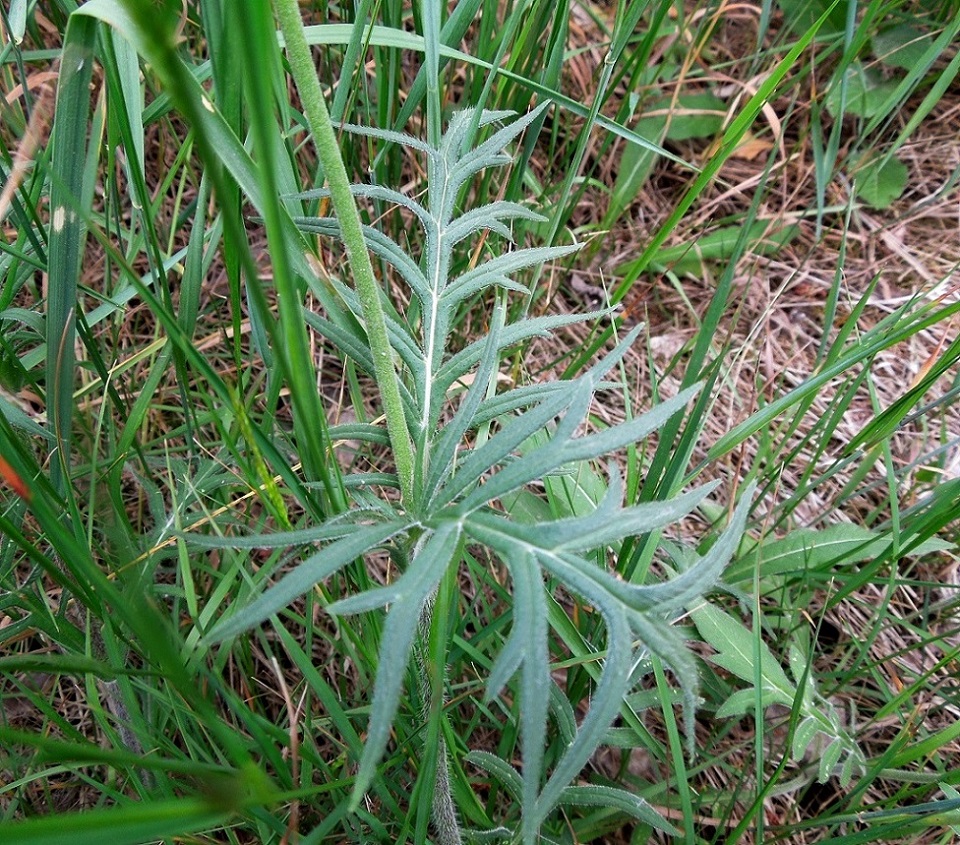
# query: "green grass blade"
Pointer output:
{"type": "Point", "coordinates": [129, 825]}
{"type": "Point", "coordinates": [67, 230]}
{"type": "Point", "coordinates": [294, 347]}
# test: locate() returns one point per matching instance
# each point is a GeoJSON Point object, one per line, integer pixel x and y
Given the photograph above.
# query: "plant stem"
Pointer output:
{"type": "Point", "coordinates": [432, 672]}
{"type": "Point", "coordinates": [368, 291]}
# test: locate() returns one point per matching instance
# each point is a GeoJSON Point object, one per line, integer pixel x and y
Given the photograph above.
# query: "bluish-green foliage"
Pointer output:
{"type": "Point", "coordinates": [460, 482]}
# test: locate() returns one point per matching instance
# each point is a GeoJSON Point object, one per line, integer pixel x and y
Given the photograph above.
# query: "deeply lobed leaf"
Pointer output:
{"type": "Point", "coordinates": [459, 492]}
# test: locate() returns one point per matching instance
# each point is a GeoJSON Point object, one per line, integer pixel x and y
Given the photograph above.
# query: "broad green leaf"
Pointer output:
{"type": "Point", "coordinates": [527, 506]}
{"type": "Point", "coordinates": [736, 648]}
{"type": "Point", "coordinates": [830, 758]}
{"type": "Point", "coordinates": [744, 701]}
{"type": "Point", "coordinates": [694, 116]}
{"type": "Point", "coordinates": [951, 793]}
{"type": "Point", "coordinates": [880, 180]}
{"type": "Point", "coordinates": [801, 15]}
{"type": "Point", "coordinates": [803, 736]}
{"type": "Point", "coordinates": [902, 45]}
{"type": "Point", "coordinates": [738, 651]}
{"type": "Point", "coordinates": [811, 549]}
{"type": "Point", "coordinates": [763, 238]}
{"type": "Point", "coordinates": [576, 491]}
{"type": "Point", "coordinates": [866, 91]}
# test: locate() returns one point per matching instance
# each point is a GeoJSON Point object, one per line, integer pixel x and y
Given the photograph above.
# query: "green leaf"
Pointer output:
{"type": "Point", "coordinates": [818, 549]}
{"type": "Point", "coordinates": [829, 759]}
{"type": "Point", "coordinates": [736, 648]}
{"type": "Point", "coordinates": [617, 799]}
{"type": "Point", "coordinates": [62, 751]}
{"type": "Point", "coordinates": [744, 701]}
{"type": "Point", "coordinates": [67, 229]}
{"type": "Point", "coordinates": [129, 825]}
{"type": "Point", "coordinates": [61, 664]}
{"type": "Point", "coordinates": [860, 91]}
{"type": "Point", "coordinates": [763, 238]}
{"type": "Point", "coordinates": [902, 46]}
{"type": "Point", "coordinates": [379, 244]}
{"type": "Point", "coordinates": [636, 165]}
{"type": "Point", "coordinates": [561, 451]}
{"type": "Point", "coordinates": [529, 635]}
{"type": "Point", "coordinates": [801, 15]}
{"type": "Point", "coordinates": [880, 180]}
{"type": "Point", "coordinates": [952, 793]}
{"type": "Point", "coordinates": [604, 706]}
{"type": "Point", "coordinates": [20, 419]}
{"type": "Point", "coordinates": [501, 770]}
{"type": "Point", "coordinates": [17, 19]}
{"type": "Point", "coordinates": [740, 652]}
{"type": "Point", "coordinates": [445, 445]}
{"type": "Point", "coordinates": [803, 736]}
{"type": "Point", "coordinates": [307, 574]}
{"type": "Point", "coordinates": [427, 567]}
{"type": "Point", "coordinates": [499, 271]}
{"type": "Point", "coordinates": [606, 524]}
{"type": "Point", "coordinates": [695, 116]}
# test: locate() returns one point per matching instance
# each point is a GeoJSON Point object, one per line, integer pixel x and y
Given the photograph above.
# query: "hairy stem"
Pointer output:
{"type": "Point", "coordinates": [368, 291]}
{"type": "Point", "coordinates": [444, 811]}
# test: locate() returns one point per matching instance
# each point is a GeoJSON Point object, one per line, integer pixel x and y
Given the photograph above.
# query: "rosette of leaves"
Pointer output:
{"type": "Point", "coordinates": [458, 490]}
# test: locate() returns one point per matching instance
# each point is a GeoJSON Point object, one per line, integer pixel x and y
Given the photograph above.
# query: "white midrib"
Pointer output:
{"type": "Point", "coordinates": [430, 341]}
